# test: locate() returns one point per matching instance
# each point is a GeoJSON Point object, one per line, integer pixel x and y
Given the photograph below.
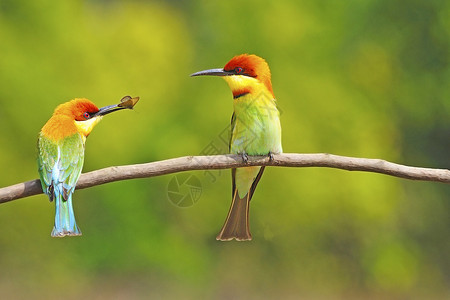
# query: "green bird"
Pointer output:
{"type": "Point", "coordinates": [255, 130]}
{"type": "Point", "coordinates": [61, 145]}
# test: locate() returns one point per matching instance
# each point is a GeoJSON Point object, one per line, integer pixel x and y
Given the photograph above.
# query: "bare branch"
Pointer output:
{"type": "Point", "coordinates": [189, 163]}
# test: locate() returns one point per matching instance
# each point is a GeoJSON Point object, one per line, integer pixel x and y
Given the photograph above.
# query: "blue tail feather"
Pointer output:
{"type": "Point", "coordinates": [65, 223]}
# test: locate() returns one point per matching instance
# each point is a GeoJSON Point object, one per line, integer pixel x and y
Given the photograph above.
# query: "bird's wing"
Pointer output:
{"type": "Point", "coordinates": [233, 171]}
{"type": "Point", "coordinates": [60, 164]}
{"type": "Point", "coordinates": [71, 162]}
{"type": "Point", "coordinates": [47, 156]}
{"type": "Point", "coordinates": [233, 123]}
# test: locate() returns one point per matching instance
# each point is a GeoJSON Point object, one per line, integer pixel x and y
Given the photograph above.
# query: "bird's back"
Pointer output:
{"type": "Point", "coordinates": [60, 163]}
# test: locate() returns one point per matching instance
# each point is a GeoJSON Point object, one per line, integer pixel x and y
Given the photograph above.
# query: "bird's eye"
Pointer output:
{"type": "Point", "coordinates": [86, 115]}
{"type": "Point", "coordinates": [238, 70]}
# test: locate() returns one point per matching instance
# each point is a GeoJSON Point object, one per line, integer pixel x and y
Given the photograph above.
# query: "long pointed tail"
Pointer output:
{"type": "Point", "coordinates": [64, 218]}
{"type": "Point", "coordinates": [236, 224]}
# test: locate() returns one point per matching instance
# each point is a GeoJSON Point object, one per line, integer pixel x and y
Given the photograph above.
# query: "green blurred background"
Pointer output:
{"type": "Point", "coordinates": [355, 78]}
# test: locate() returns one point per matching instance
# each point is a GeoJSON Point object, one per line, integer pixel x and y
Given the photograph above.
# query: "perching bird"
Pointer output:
{"type": "Point", "coordinates": [61, 155]}
{"type": "Point", "coordinates": [255, 130]}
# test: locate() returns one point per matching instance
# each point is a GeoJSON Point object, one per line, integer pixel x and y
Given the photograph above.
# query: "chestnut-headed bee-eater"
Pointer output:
{"type": "Point", "coordinates": [61, 145]}
{"type": "Point", "coordinates": [255, 130]}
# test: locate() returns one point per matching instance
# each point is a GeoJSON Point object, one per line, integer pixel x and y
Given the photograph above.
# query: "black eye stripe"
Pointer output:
{"type": "Point", "coordinates": [240, 71]}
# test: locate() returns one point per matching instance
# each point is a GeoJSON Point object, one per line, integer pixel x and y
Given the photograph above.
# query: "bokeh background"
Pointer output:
{"type": "Point", "coordinates": [355, 78]}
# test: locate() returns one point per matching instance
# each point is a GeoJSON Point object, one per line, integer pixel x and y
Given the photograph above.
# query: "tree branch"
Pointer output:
{"type": "Point", "coordinates": [190, 163]}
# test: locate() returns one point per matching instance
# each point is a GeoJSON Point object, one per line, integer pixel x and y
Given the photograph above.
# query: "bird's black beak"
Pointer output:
{"type": "Point", "coordinates": [108, 109]}
{"type": "Point", "coordinates": [126, 102]}
{"type": "Point", "coordinates": [213, 72]}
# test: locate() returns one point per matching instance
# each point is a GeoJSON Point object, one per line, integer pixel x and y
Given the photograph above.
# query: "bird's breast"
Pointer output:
{"type": "Point", "coordinates": [256, 129]}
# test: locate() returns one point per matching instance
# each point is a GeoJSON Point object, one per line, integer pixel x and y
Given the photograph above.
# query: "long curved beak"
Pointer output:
{"type": "Point", "coordinates": [126, 103]}
{"type": "Point", "coordinates": [213, 72]}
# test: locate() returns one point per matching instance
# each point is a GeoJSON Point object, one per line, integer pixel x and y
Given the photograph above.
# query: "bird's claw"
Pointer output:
{"type": "Point", "coordinates": [244, 157]}
{"type": "Point", "coordinates": [271, 158]}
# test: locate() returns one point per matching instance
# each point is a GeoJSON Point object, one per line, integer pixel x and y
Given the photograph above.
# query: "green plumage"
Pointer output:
{"type": "Point", "coordinates": [60, 164]}
{"type": "Point", "coordinates": [255, 130]}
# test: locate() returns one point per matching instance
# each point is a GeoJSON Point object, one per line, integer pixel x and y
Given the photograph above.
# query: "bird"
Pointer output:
{"type": "Point", "coordinates": [255, 130]}
{"type": "Point", "coordinates": [61, 144]}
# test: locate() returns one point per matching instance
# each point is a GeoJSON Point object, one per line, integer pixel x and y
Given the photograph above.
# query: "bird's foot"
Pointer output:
{"type": "Point", "coordinates": [244, 157]}
{"type": "Point", "coordinates": [271, 156]}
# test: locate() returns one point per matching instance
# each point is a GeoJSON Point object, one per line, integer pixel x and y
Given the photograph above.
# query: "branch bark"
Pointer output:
{"type": "Point", "coordinates": [190, 163]}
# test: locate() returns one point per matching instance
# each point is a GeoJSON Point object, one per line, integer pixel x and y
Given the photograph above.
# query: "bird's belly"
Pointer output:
{"type": "Point", "coordinates": [258, 139]}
